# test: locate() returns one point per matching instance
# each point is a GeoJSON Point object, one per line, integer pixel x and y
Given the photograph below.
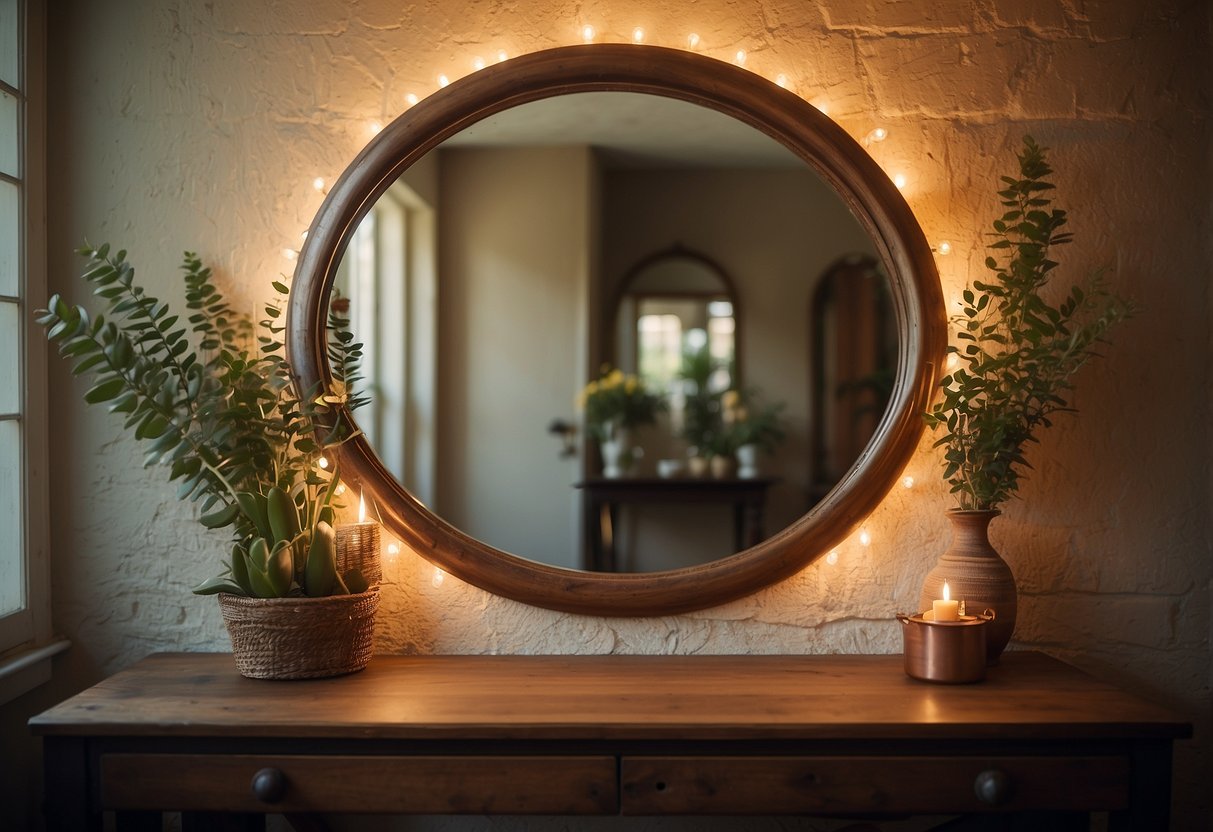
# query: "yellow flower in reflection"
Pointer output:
{"type": "Point", "coordinates": [616, 400]}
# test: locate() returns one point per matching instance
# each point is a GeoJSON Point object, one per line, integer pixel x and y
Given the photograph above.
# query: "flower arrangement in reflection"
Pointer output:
{"type": "Point", "coordinates": [617, 400]}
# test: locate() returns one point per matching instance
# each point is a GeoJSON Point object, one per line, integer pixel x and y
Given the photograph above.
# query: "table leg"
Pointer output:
{"type": "Point", "coordinates": [754, 523]}
{"type": "Point", "coordinates": [609, 552]}
{"type": "Point", "coordinates": [1149, 790]}
{"type": "Point", "coordinates": [138, 822]}
{"type": "Point", "coordinates": [222, 822]}
{"type": "Point", "coordinates": [67, 804]}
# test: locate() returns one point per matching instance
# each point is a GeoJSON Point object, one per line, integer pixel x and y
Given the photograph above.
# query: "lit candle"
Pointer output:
{"type": "Point", "coordinates": [358, 546]}
{"type": "Point", "coordinates": [947, 609]}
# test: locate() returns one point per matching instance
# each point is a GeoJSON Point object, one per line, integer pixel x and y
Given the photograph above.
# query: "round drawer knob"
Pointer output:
{"type": "Point", "coordinates": [993, 787]}
{"type": "Point", "coordinates": [269, 785]}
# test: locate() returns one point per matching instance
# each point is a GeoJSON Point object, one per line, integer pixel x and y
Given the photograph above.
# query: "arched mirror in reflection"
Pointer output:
{"type": "Point", "coordinates": [497, 274]}
{"type": "Point", "coordinates": [483, 264]}
{"type": "Point", "coordinates": [853, 345]}
{"type": "Point", "coordinates": [676, 324]}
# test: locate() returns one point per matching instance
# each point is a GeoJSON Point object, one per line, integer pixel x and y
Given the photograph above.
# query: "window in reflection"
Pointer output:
{"type": "Point", "coordinates": [388, 273]}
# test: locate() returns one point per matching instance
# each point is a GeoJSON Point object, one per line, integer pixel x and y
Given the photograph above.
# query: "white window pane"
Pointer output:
{"type": "Point", "coordinates": [10, 354]}
{"type": "Point", "coordinates": [12, 572]}
{"type": "Point", "coordinates": [10, 236]}
{"type": "Point", "coordinates": [10, 43]}
{"type": "Point", "coordinates": [9, 144]}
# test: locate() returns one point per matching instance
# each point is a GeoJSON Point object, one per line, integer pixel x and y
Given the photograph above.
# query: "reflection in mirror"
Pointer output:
{"type": "Point", "coordinates": [854, 353]}
{"type": "Point", "coordinates": [677, 304]}
{"type": "Point", "coordinates": [497, 276]}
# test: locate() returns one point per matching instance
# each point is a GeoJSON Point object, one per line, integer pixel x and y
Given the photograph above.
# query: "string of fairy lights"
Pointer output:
{"type": "Point", "coordinates": [588, 33]}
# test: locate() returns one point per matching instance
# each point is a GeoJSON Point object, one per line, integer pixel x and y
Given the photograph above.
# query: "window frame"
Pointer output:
{"type": "Point", "coordinates": [26, 636]}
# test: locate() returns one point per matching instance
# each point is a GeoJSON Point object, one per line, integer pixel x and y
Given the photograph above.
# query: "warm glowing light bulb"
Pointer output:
{"type": "Point", "coordinates": [865, 539]}
{"type": "Point", "coordinates": [439, 577]}
{"type": "Point", "coordinates": [822, 106]}
{"type": "Point", "coordinates": [692, 40]}
{"type": "Point", "coordinates": [501, 55]}
{"type": "Point", "coordinates": [587, 34]}
{"type": "Point", "coordinates": [323, 462]}
{"type": "Point", "coordinates": [907, 482]}
{"type": "Point", "coordinates": [340, 489]}
{"type": "Point", "coordinates": [781, 80]}
{"type": "Point", "coordinates": [478, 63]}
{"type": "Point", "coordinates": [411, 99]}
{"type": "Point", "coordinates": [361, 507]}
{"type": "Point", "coordinates": [739, 58]}
{"type": "Point", "coordinates": [832, 557]}
{"type": "Point", "coordinates": [375, 127]}
{"type": "Point", "coordinates": [638, 35]}
{"type": "Point", "coordinates": [953, 361]}
{"type": "Point", "coordinates": [944, 248]}
{"type": "Point", "coordinates": [303, 236]}
{"type": "Point", "coordinates": [443, 80]}
{"type": "Point", "coordinates": [393, 549]}
{"type": "Point", "coordinates": [899, 180]}
{"type": "Point", "coordinates": [289, 253]}
{"type": "Point", "coordinates": [318, 183]}
{"type": "Point", "coordinates": [877, 135]}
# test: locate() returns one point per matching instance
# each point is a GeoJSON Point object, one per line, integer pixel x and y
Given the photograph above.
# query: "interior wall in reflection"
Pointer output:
{"type": "Point", "coordinates": [775, 232]}
{"type": "Point", "coordinates": [517, 248]}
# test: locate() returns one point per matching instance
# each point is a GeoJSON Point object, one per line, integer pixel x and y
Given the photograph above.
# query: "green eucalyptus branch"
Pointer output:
{"type": "Point", "coordinates": [224, 414]}
{"type": "Point", "coordinates": [1016, 351]}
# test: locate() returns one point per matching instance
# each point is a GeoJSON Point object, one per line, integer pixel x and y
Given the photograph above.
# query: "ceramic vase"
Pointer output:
{"type": "Point", "coordinates": [614, 450]}
{"type": "Point", "coordinates": [977, 576]}
{"type": "Point", "coordinates": [747, 462]}
{"type": "Point", "coordinates": [722, 466]}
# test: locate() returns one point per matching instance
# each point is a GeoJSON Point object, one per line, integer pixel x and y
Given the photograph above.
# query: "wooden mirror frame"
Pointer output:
{"type": "Point", "coordinates": [697, 79]}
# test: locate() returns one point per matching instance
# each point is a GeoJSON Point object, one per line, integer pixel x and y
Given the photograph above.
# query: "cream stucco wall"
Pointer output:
{"type": "Point", "coordinates": [201, 125]}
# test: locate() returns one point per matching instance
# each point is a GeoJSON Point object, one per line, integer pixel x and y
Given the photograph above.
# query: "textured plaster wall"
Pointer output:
{"type": "Point", "coordinates": [201, 125]}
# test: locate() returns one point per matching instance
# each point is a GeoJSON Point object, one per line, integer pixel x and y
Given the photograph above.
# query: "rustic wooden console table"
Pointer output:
{"type": "Point", "coordinates": [700, 735]}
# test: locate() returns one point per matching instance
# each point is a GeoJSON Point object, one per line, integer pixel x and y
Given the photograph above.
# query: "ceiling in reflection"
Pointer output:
{"type": "Point", "coordinates": [632, 131]}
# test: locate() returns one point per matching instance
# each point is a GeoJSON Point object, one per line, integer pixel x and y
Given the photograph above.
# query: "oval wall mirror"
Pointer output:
{"type": "Point", "coordinates": [435, 314]}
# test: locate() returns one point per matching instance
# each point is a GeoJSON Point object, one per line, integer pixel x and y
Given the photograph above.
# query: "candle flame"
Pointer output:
{"type": "Point", "coordinates": [362, 512]}
{"type": "Point", "coordinates": [947, 593]}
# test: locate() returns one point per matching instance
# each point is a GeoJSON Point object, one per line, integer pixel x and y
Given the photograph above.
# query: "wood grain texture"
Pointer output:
{"type": "Point", "coordinates": [673, 698]}
{"type": "Point", "coordinates": [840, 161]}
{"type": "Point", "coordinates": [825, 785]}
{"type": "Point", "coordinates": [521, 785]}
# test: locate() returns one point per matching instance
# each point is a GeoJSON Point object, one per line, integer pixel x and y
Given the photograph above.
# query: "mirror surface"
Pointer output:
{"type": "Point", "coordinates": [902, 252]}
{"type": "Point", "coordinates": [499, 272]}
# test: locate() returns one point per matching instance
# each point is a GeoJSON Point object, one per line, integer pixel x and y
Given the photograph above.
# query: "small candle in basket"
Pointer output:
{"type": "Point", "coordinates": [358, 546]}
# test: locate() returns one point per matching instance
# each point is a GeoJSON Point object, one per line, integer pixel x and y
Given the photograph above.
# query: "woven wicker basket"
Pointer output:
{"type": "Point", "coordinates": [300, 638]}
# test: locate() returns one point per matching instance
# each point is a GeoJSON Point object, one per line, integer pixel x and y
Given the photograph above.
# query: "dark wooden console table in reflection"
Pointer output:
{"type": "Point", "coordinates": [603, 497]}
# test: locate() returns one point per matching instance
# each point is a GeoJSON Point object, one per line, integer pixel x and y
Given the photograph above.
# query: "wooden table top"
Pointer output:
{"type": "Point", "coordinates": [1026, 696]}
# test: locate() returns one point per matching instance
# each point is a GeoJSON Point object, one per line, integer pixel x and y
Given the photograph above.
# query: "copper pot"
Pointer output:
{"type": "Point", "coordinates": [952, 652]}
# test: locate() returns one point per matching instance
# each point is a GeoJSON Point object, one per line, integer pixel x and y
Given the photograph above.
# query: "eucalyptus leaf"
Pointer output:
{"type": "Point", "coordinates": [1022, 351]}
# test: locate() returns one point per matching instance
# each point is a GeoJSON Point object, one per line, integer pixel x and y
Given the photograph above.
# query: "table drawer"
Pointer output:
{"type": "Point", "coordinates": [422, 785]}
{"type": "Point", "coordinates": [794, 785]}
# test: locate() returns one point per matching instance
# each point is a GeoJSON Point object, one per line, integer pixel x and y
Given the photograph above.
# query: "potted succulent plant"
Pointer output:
{"type": "Point", "coordinates": [212, 398]}
{"type": "Point", "coordinates": [1015, 355]}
